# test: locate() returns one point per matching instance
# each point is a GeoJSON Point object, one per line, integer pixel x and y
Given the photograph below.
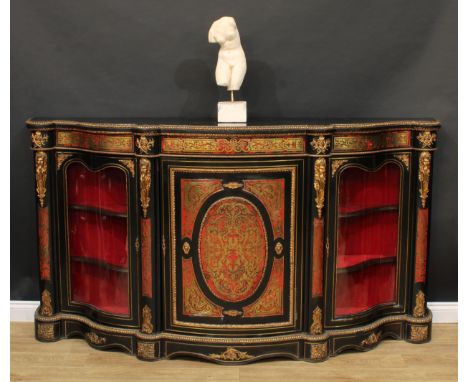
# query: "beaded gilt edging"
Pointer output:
{"type": "Point", "coordinates": [246, 340]}
{"type": "Point", "coordinates": [305, 127]}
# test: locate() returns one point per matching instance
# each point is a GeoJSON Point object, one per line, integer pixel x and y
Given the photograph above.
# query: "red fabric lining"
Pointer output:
{"type": "Point", "coordinates": [360, 189]}
{"type": "Point", "coordinates": [361, 290]}
{"type": "Point", "coordinates": [366, 237]}
{"type": "Point", "coordinates": [105, 189]}
{"type": "Point", "coordinates": [105, 289]}
{"type": "Point", "coordinates": [98, 237]}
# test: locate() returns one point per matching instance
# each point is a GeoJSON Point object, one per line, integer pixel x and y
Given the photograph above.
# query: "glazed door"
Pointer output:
{"type": "Point", "coordinates": [231, 233]}
{"type": "Point", "coordinates": [368, 226]}
{"type": "Point", "coordinates": [97, 266]}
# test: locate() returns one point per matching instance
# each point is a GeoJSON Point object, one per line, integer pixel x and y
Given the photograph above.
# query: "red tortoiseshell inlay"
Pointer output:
{"type": "Point", "coordinates": [317, 286]}
{"type": "Point", "coordinates": [195, 303]}
{"type": "Point", "coordinates": [421, 245]}
{"type": "Point", "coordinates": [194, 192]}
{"type": "Point", "coordinates": [44, 254]}
{"type": "Point", "coordinates": [146, 274]}
{"type": "Point", "coordinates": [270, 303]}
{"type": "Point", "coordinates": [271, 194]}
{"type": "Point", "coordinates": [233, 248]}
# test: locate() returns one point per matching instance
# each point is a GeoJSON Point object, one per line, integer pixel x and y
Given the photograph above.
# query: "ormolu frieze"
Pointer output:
{"type": "Point", "coordinates": [424, 174]}
{"type": "Point", "coordinates": [419, 309]}
{"type": "Point", "coordinates": [147, 326]}
{"type": "Point", "coordinates": [39, 139]}
{"type": "Point", "coordinates": [144, 144]}
{"type": "Point", "coordinates": [371, 142]}
{"type": "Point", "coordinates": [246, 145]}
{"type": "Point", "coordinates": [320, 169]}
{"type": "Point", "coordinates": [231, 354]}
{"type": "Point", "coordinates": [96, 142]}
{"type": "Point", "coordinates": [427, 139]}
{"type": "Point", "coordinates": [145, 184]}
{"type": "Point", "coordinates": [320, 145]}
{"type": "Point", "coordinates": [41, 176]}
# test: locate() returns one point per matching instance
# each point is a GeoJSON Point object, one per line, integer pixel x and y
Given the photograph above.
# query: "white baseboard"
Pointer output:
{"type": "Point", "coordinates": [443, 312]}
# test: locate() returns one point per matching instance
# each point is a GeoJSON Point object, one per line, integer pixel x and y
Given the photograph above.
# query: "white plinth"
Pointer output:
{"type": "Point", "coordinates": [232, 112]}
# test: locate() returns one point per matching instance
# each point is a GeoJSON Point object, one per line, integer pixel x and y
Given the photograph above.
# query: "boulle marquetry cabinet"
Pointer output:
{"type": "Point", "coordinates": [233, 244]}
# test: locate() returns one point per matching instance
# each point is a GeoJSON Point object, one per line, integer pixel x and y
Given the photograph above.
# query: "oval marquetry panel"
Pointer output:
{"type": "Point", "coordinates": [233, 249]}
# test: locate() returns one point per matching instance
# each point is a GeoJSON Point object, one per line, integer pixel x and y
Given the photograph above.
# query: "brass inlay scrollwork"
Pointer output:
{"type": "Point", "coordinates": [320, 144]}
{"type": "Point", "coordinates": [418, 333]}
{"type": "Point", "coordinates": [427, 139]}
{"type": "Point", "coordinates": [336, 164]}
{"type": "Point", "coordinates": [419, 309]}
{"type": "Point", "coordinates": [38, 139]}
{"type": "Point", "coordinates": [45, 331]}
{"type": "Point", "coordinates": [231, 354]}
{"type": "Point", "coordinates": [62, 157]}
{"type": "Point", "coordinates": [147, 326]}
{"type": "Point", "coordinates": [41, 176]}
{"type": "Point", "coordinates": [95, 339]}
{"type": "Point", "coordinates": [46, 303]}
{"type": "Point", "coordinates": [144, 144]}
{"type": "Point", "coordinates": [424, 173]}
{"type": "Point", "coordinates": [233, 185]}
{"type": "Point", "coordinates": [145, 184]}
{"type": "Point", "coordinates": [186, 248]}
{"type": "Point", "coordinates": [372, 339]}
{"type": "Point", "coordinates": [145, 350]}
{"type": "Point", "coordinates": [316, 327]}
{"type": "Point", "coordinates": [319, 184]}
{"type": "Point", "coordinates": [279, 248]}
{"type": "Point", "coordinates": [403, 158]}
{"type": "Point", "coordinates": [318, 351]}
{"type": "Point", "coordinates": [130, 164]}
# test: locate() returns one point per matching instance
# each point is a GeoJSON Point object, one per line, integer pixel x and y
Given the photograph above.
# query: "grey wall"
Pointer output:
{"type": "Point", "coordinates": [306, 58]}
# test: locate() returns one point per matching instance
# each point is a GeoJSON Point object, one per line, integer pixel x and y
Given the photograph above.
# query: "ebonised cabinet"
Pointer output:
{"type": "Point", "coordinates": [233, 244]}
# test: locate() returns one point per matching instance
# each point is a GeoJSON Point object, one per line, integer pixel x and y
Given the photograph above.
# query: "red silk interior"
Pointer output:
{"type": "Point", "coordinates": [361, 290]}
{"type": "Point", "coordinates": [360, 189]}
{"type": "Point", "coordinates": [105, 189]}
{"type": "Point", "coordinates": [368, 236]}
{"type": "Point", "coordinates": [98, 240]}
{"type": "Point", "coordinates": [105, 289]}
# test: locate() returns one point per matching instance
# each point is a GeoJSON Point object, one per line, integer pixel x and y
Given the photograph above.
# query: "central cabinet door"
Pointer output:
{"type": "Point", "coordinates": [233, 254]}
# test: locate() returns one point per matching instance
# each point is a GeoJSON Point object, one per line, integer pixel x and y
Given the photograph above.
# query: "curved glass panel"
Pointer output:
{"type": "Point", "coordinates": [367, 244]}
{"type": "Point", "coordinates": [97, 237]}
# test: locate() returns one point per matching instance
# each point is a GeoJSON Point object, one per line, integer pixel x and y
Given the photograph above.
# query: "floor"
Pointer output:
{"type": "Point", "coordinates": [74, 360]}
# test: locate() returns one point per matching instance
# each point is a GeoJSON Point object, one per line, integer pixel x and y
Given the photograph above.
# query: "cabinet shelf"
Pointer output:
{"type": "Point", "coordinates": [366, 211]}
{"type": "Point", "coordinates": [99, 263]}
{"type": "Point", "coordinates": [353, 263]}
{"type": "Point", "coordinates": [97, 210]}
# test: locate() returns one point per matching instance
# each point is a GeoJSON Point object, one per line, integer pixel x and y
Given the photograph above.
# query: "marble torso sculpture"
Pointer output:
{"type": "Point", "coordinates": [231, 66]}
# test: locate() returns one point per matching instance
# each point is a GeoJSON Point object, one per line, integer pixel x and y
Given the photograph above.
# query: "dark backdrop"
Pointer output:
{"type": "Point", "coordinates": [306, 58]}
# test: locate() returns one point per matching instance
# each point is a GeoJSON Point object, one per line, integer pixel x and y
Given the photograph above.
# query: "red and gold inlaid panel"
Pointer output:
{"type": "Point", "coordinates": [44, 254]}
{"type": "Point", "coordinates": [194, 192]}
{"type": "Point", "coordinates": [146, 272]}
{"type": "Point", "coordinates": [233, 249]}
{"type": "Point", "coordinates": [96, 142]}
{"type": "Point", "coordinates": [421, 245]}
{"type": "Point", "coordinates": [270, 303]}
{"type": "Point", "coordinates": [371, 142]}
{"type": "Point", "coordinates": [244, 145]}
{"type": "Point", "coordinates": [271, 194]}
{"type": "Point", "coordinates": [195, 302]}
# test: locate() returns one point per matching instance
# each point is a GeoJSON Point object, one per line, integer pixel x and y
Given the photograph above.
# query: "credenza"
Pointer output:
{"type": "Point", "coordinates": [297, 239]}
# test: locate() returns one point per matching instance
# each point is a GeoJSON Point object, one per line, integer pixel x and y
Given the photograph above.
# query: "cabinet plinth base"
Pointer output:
{"type": "Point", "coordinates": [232, 350]}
